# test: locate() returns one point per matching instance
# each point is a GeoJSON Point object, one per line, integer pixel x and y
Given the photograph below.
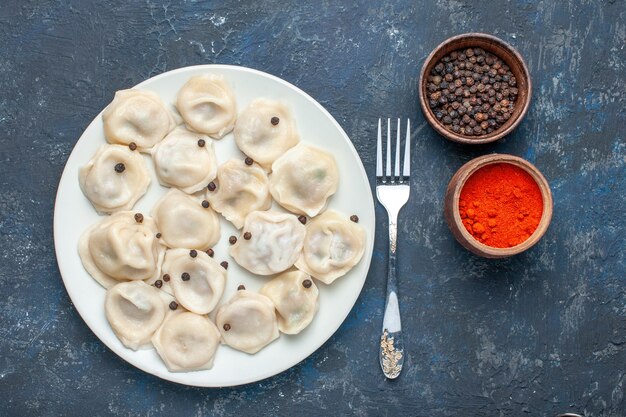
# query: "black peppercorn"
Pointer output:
{"type": "Point", "coordinates": [158, 283]}
{"type": "Point", "coordinates": [132, 146]}
{"type": "Point", "coordinates": [224, 264]}
{"type": "Point", "coordinates": [119, 168]}
{"type": "Point", "coordinates": [185, 276]}
{"type": "Point", "coordinates": [274, 120]}
{"type": "Point", "coordinates": [211, 186]}
{"type": "Point", "coordinates": [241, 287]}
{"type": "Point", "coordinates": [307, 283]}
{"type": "Point", "coordinates": [302, 219]}
{"type": "Point", "coordinates": [139, 217]}
{"type": "Point", "coordinates": [166, 277]}
{"type": "Point", "coordinates": [210, 252]}
{"type": "Point", "coordinates": [173, 305]}
{"type": "Point", "coordinates": [193, 253]}
{"type": "Point", "coordinates": [232, 240]}
{"type": "Point", "coordinates": [158, 235]}
{"type": "Point", "coordinates": [205, 204]}
{"type": "Point", "coordinates": [247, 235]}
{"type": "Point", "coordinates": [354, 218]}
{"type": "Point", "coordinates": [248, 160]}
{"type": "Point", "coordinates": [201, 143]}
{"type": "Point", "coordinates": [226, 327]}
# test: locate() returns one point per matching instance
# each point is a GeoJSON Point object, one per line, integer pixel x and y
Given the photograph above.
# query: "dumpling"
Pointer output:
{"type": "Point", "coordinates": [185, 160]}
{"type": "Point", "coordinates": [238, 190]}
{"type": "Point", "coordinates": [122, 247]}
{"type": "Point", "coordinates": [333, 245]}
{"type": "Point", "coordinates": [303, 178]}
{"type": "Point", "coordinates": [247, 321]}
{"type": "Point", "coordinates": [196, 280]}
{"type": "Point", "coordinates": [114, 179]}
{"type": "Point", "coordinates": [270, 242]}
{"type": "Point", "coordinates": [138, 117]}
{"type": "Point", "coordinates": [135, 310]}
{"type": "Point", "coordinates": [295, 296]}
{"type": "Point", "coordinates": [187, 342]}
{"type": "Point", "coordinates": [207, 104]}
{"type": "Point", "coordinates": [265, 130]}
{"type": "Point", "coordinates": [185, 221]}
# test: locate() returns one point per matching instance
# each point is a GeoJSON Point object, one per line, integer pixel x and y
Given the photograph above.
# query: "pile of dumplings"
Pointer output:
{"type": "Point", "coordinates": [164, 287]}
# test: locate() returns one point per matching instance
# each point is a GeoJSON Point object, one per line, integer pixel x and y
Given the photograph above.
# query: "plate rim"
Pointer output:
{"type": "Point", "coordinates": [63, 270]}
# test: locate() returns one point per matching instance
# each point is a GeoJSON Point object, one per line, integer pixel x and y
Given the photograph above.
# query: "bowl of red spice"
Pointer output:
{"type": "Point", "coordinates": [498, 205]}
{"type": "Point", "coordinates": [474, 88]}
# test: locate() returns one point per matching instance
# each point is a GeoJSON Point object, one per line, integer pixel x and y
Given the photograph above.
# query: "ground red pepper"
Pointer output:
{"type": "Point", "coordinates": [501, 205]}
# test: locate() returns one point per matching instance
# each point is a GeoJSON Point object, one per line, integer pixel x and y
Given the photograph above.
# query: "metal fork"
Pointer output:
{"type": "Point", "coordinates": [393, 193]}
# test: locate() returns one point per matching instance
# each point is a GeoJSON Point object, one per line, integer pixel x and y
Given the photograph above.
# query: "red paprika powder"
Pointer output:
{"type": "Point", "coordinates": [501, 205]}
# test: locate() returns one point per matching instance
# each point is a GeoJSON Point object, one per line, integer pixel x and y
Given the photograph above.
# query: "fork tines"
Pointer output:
{"type": "Point", "coordinates": [396, 178]}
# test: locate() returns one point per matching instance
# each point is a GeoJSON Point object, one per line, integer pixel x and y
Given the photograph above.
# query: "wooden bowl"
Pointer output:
{"type": "Point", "coordinates": [501, 49]}
{"type": "Point", "coordinates": [453, 217]}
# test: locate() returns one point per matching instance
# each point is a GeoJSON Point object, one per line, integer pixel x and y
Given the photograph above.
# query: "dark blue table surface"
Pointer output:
{"type": "Point", "coordinates": [538, 334]}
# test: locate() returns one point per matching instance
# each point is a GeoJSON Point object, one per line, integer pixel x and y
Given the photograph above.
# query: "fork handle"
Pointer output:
{"type": "Point", "coordinates": [391, 353]}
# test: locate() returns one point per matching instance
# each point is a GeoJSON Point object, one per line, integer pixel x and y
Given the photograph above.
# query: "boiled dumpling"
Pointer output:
{"type": "Point", "coordinates": [207, 104]}
{"type": "Point", "coordinates": [247, 321]}
{"type": "Point", "coordinates": [265, 130]}
{"type": "Point", "coordinates": [295, 296]}
{"type": "Point", "coordinates": [122, 247]}
{"type": "Point", "coordinates": [185, 160]}
{"type": "Point", "coordinates": [186, 221]}
{"type": "Point", "coordinates": [333, 245]}
{"type": "Point", "coordinates": [196, 280]}
{"type": "Point", "coordinates": [186, 341]}
{"type": "Point", "coordinates": [303, 178]}
{"type": "Point", "coordinates": [114, 179]}
{"type": "Point", "coordinates": [270, 242]}
{"type": "Point", "coordinates": [135, 310]}
{"type": "Point", "coordinates": [136, 116]}
{"type": "Point", "coordinates": [238, 190]}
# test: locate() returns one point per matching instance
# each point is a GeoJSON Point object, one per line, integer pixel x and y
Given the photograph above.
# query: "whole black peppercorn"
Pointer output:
{"type": "Point", "coordinates": [307, 283]}
{"type": "Point", "coordinates": [201, 143]}
{"type": "Point", "coordinates": [232, 240]}
{"type": "Point", "coordinates": [205, 204]}
{"type": "Point", "coordinates": [119, 168]}
{"type": "Point", "coordinates": [158, 283]}
{"type": "Point", "coordinates": [247, 235]}
{"type": "Point", "coordinates": [224, 264]}
{"type": "Point", "coordinates": [132, 146]}
{"type": "Point", "coordinates": [248, 160]}
{"type": "Point", "coordinates": [241, 287]}
{"type": "Point", "coordinates": [354, 218]}
{"type": "Point", "coordinates": [274, 120]}
{"type": "Point", "coordinates": [226, 327]}
{"type": "Point", "coordinates": [158, 235]}
{"type": "Point", "coordinates": [210, 252]}
{"type": "Point", "coordinates": [211, 186]}
{"type": "Point", "coordinates": [166, 277]}
{"type": "Point", "coordinates": [193, 253]}
{"type": "Point", "coordinates": [185, 276]}
{"type": "Point", "coordinates": [173, 305]}
{"type": "Point", "coordinates": [302, 219]}
{"type": "Point", "coordinates": [139, 217]}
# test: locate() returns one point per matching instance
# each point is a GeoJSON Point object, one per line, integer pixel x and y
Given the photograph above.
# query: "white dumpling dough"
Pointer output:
{"type": "Point", "coordinates": [137, 116]}
{"type": "Point", "coordinates": [275, 243]}
{"type": "Point", "coordinates": [303, 178]}
{"type": "Point", "coordinates": [207, 104]}
{"type": "Point", "coordinates": [181, 162]}
{"type": "Point", "coordinates": [259, 138]}
{"type": "Point", "coordinates": [240, 189]}
{"type": "Point", "coordinates": [119, 248]}
{"type": "Point", "coordinates": [135, 310]}
{"type": "Point", "coordinates": [207, 278]}
{"type": "Point", "coordinates": [332, 246]}
{"type": "Point", "coordinates": [109, 190]}
{"type": "Point", "coordinates": [295, 296]}
{"type": "Point", "coordinates": [186, 341]}
{"type": "Point", "coordinates": [250, 319]}
{"type": "Point", "coordinates": [184, 222]}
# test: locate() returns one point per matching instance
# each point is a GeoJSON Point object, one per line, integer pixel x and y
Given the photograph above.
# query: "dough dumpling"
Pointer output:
{"type": "Point", "coordinates": [238, 190]}
{"type": "Point", "coordinates": [186, 341]}
{"type": "Point", "coordinates": [303, 179]}
{"type": "Point", "coordinates": [185, 160]}
{"type": "Point", "coordinates": [137, 116]}
{"type": "Point", "coordinates": [265, 130]}
{"type": "Point", "coordinates": [114, 179]}
{"type": "Point", "coordinates": [122, 247]}
{"type": "Point", "coordinates": [185, 222]}
{"type": "Point", "coordinates": [207, 104]}
{"type": "Point", "coordinates": [295, 296]}
{"type": "Point", "coordinates": [332, 246]}
{"type": "Point", "coordinates": [135, 310]}
{"type": "Point", "coordinates": [203, 286]}
{"type": "Point", "coordinates": [274, 242]}
{"type": "Point", "coordinates": [247, 322]}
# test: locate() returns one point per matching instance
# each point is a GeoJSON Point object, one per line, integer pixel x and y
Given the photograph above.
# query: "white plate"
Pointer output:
{"type": "Point", "coordinates": [73, 214]}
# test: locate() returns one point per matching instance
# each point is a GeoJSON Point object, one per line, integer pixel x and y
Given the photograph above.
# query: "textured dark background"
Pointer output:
{"type": "Point", "coordinates": [538, 334]}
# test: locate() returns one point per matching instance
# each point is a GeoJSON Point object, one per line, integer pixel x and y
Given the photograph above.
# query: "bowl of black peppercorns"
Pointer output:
{"type": "Point", "coordinates": [474, 88]}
